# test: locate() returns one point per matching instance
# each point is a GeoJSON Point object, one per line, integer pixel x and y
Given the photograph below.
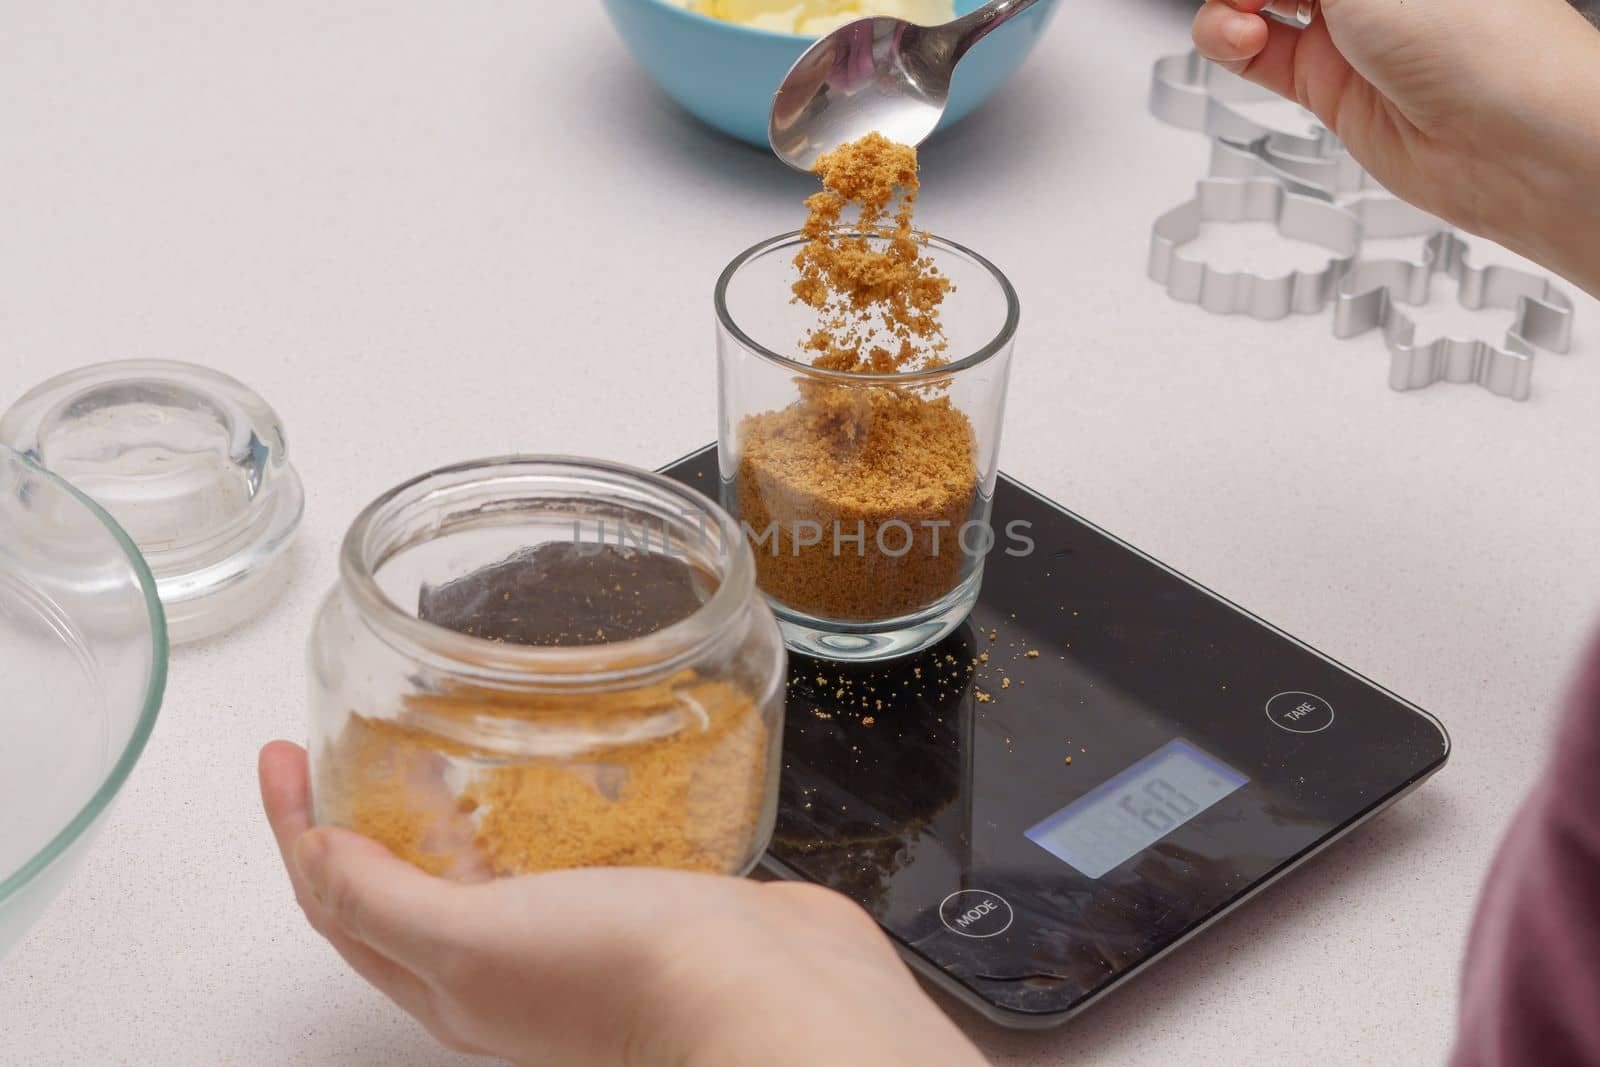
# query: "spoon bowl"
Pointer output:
{"type": "Point", "coordinates": [724, 73]}
{"type": "Point", "coordinates": [869, 75]}
{"type": "Point", "coordinates": [883, 74]}
{"type": "Point", "coordinates": [893, 76]}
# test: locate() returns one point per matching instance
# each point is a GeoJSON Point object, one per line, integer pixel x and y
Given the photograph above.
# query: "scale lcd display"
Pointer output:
{"type": "Point", "coordinates": [1134, 809]}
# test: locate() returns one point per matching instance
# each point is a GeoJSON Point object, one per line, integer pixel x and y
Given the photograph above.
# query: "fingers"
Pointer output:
{"type": "Point", "coordinates": [825, 909]}
{"type": "Point", "coordinates": [285, 792]}
{"type": "Point", "coordinates": [349, 886]}
{"type": "Point", "coordinates": [1234, 35]}
{"type": "Point", "coordinates": [389, 978]}
{"type": "Point", "coordinates": [1229, 36]}
{"type": "Point", "coordinates": [382, 901]}
{"type": "Point", "coordinates": [286, 797]}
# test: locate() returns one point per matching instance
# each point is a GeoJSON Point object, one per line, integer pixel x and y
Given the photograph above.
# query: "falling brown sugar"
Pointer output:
{"type": "Point", "coordinates": [855, 494]}
{"type": "Point", "coordinates": [876, 292]}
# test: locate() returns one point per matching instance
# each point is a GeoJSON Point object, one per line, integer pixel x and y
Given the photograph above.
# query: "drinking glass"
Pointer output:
{"type": "Point", "coordinates": [865, 497]}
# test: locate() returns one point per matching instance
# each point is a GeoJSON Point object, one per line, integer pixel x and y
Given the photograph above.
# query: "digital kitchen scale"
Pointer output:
{"type": "Point", "coordinates": [1163, 757]}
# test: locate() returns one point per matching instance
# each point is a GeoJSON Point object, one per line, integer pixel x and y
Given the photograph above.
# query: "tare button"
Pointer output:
{"type": "Point", "coordinates": [975, 913]}
{"type": "Point", "coordinates": [1300, 713]}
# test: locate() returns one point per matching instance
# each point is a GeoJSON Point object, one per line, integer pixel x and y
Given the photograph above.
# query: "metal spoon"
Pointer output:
{"type": "Point", "coordinates": [892, 76]}
{"type": "Point", "coordinates": [883, 74]}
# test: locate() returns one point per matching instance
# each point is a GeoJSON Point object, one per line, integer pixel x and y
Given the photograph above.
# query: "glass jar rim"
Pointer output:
{"type": "Point", "coordinates": [993, 347]}
{"type": "Point", "coordinates": [665, 651]}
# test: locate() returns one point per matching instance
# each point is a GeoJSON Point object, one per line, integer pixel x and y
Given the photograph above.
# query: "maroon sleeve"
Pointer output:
{"type": "Point", "coordinates": [1531, 983]}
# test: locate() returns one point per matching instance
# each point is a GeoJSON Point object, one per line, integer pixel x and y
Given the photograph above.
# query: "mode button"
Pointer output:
{"type": "Point", "coordinates": [975, 913]}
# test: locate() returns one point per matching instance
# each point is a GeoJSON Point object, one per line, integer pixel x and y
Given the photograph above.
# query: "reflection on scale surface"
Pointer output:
{"type": "Point", "coordinates": [932, 796]}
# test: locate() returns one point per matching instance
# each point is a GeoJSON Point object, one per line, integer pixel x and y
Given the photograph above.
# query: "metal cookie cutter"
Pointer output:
{"type": "Point", "coordinates": [1262, 296]}
{"type": "Point", "coordinates": [1369, 293]}
{"type": "Point", "coordinates": [1189, 91]}
{"type": "Point", "coordinates": [1329, 174]}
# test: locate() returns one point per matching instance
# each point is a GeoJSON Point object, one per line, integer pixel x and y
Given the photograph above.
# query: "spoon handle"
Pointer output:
{"type": "Point", "coordinates": [1296, 12]}
{"type": "Point", "coordinates": [971, 28]}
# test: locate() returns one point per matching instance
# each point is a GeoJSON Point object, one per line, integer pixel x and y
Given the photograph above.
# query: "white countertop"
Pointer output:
{"type": "Point", "coordinates": [425, 234]}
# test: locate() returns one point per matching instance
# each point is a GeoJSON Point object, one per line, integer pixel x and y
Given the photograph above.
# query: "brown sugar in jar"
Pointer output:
{"type": "Point", "coordinates": [583, 674]}
{"type": "Point", "coordinates": [688, 793]}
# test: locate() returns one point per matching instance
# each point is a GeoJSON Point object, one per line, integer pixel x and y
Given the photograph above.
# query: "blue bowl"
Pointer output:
{"type": "Point", "coordinates": [725, 74]}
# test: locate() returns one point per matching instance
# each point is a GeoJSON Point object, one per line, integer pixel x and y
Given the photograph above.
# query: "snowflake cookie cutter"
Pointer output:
{"type": "Point", "coordinates": [1369, 296]}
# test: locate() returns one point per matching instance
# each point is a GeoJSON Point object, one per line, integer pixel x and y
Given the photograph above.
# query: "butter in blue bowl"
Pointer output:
{"type": "Point", "coordinates": [724, 70]}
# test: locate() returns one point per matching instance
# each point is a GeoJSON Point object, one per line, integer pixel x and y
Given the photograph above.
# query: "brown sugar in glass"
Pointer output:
{"type": "Point", "coordinates": [539, 663]}
{"type": "Point", "coordinates": [865, 495]}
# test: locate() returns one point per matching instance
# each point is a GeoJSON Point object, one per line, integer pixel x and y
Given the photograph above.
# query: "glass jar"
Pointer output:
{"type": "Point", "coordinates": [865, 497]}
{"type": "Point", "coordinates": [538, 663]}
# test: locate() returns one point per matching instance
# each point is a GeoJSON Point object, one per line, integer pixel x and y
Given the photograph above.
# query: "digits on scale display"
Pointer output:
{"type": "Point", "coordinates": [1133, 810]}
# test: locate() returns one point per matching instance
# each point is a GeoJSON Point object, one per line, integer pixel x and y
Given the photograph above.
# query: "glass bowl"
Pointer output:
{"type": "Point", "coordinates": [83, 664]}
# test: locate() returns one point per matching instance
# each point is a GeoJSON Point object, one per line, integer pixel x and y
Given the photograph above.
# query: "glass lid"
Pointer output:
{"type": "Point", "coordinates": [190, 462]}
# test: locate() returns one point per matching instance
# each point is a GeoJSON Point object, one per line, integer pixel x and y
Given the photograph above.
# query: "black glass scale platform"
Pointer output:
{"type": "Point", "coordinates": [1102, 761]}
